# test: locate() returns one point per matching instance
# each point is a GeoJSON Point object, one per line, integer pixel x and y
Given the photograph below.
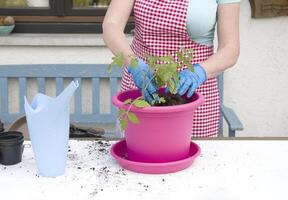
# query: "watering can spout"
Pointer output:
{"type": "Point", "coordinates": [42, 101]}
{"type": "Point", "coordinates": [68, 92]}
{"type": "Point", "coordinates": [38, 103]}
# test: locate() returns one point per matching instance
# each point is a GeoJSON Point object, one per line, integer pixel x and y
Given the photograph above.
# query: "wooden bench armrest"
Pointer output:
{"type": "Point", "coordinates": [234, 124]}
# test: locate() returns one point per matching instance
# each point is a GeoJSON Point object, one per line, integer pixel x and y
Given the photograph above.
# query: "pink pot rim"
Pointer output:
{"type": "Point", "coordinates": [161, 109]}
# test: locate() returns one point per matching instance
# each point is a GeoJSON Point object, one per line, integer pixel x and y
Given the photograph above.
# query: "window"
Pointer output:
{"type": "Point", "coordinates": [58, 16]}
{"type": "Point", "coordinates": [268, 8]}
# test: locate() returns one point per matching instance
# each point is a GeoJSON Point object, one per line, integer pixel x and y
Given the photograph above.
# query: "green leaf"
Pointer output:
{"type": "Point", "coordinates": [190, 50]}
{"type": "Point", "coordinates": [167, 76]}
{"type": "Point", "coordinates": [127, 101]}
{"type": "Point", "coordinates": [156, 66]}
{"type": "Point", "coordinates": [172, 83]}
{"type": "Point", "coordinates": [172, 86]}
{"type": "Point", "coordinates": [133, 118]}
{"type": "Point", "coordinates": [155, 96]}
{"type": "Point", "coordinates": [183, 50]}
{"type": "Point", "coordinates": [161, 73]}
{"type": "Point", "coordinates": [175, 77]}
{"type": "Point", "coordinates": [123, 124]}
{"type": "Point", "coordinates": [180, 56]}
{"type": "Point", "coordinates": [121, 112]}
{"type": "Point", "coordinates": [110, 67]}
{"type": "Point", "coordinates": [166, 58]}
{"type": "Point", "coordinates": [151, 61]}
{"type": "Point", "coordinates": [162, 100]}
{"type": "Point", "coordinates": [191, 67]}
{"type": "Point", "coordinates": [174, 66]}
{"type": "Point", "coordinates": [118, 60]}
{"type": "Point", "coordinates": [158, 81]}
{"type": "Point", "coordinates": [139, 103]}
{"type": "Point", "coordinates": [186, 62]}
{"type": "Point", "coordinates": [189, 56]}
{"type": "Point", "coordinates": [134, 62]}
{"type": "Point", "coordinates": [185, 55]}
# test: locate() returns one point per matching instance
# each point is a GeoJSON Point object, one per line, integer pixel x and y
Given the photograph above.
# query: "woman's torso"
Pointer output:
{"type": "Point", "coordinates": [161, 29]}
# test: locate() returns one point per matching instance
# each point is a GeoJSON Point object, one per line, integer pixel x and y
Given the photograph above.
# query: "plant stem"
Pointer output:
{"type": "Point", "coordinates": [129, 108]}
{"type": "Point", "coordinates": [146, 86]}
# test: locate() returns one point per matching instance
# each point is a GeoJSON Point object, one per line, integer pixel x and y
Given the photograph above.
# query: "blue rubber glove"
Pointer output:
{"type": "Point", "coordinates": [142, 75]}
{"type": "Point", "coordinates": [189, 81]}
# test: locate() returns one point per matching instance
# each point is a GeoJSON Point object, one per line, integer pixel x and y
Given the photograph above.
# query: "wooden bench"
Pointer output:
{"type": "Point", "coordinates": [94, 72]}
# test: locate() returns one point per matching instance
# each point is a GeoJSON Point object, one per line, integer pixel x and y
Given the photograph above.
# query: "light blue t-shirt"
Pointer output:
{"type": "Point", "coordinates": [201, 19]}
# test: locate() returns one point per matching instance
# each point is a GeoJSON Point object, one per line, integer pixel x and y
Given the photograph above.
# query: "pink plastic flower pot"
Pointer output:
{"type": "Point", "coordinates": [163, 133]}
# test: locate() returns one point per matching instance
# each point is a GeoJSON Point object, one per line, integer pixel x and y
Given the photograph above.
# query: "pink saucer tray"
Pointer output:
{"type": "Point", "coordinates": [119, 152]}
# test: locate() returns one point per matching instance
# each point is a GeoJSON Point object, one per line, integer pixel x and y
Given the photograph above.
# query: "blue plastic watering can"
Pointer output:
{"type": "Point", "coordinates": [48, 125]}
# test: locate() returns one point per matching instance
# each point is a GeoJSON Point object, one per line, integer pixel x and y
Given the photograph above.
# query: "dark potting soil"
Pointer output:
{"type": "Point", "coordinates": [171, 100]}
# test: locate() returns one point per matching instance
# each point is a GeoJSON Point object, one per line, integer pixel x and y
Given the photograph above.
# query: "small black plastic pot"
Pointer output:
{"type": "Point", "coordinates": [11, 147]}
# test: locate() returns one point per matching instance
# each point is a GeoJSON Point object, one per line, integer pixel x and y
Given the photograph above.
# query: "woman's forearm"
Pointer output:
{"type": "Point", "coordinates": [116, 40]}
{"type": "Point", "coordinates": [113, 26]}
{"type": "Point", "coordinates": [223, 59]}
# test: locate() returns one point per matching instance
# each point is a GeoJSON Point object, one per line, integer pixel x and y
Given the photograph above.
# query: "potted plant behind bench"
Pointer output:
{"type": "Point", "coordinates": [157, 134]}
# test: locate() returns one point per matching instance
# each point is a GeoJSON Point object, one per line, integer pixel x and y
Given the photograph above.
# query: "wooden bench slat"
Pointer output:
{"type": "Point", "coordinates": [95, 95]}
{"type": "Point", "coordinates": [4, 94]}
{"type": "Point", "coordinates": [113, 91]}
{"type": "Point", "coordinates": [41, 85]}
{"type": "Point", "coordinates": [59, 85]}
{"type": "Point", "coordinates": [78, 97]}
{"type": "Point", "coordinates": [22, 93]}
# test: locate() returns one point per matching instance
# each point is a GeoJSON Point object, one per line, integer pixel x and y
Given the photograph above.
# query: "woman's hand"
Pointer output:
{"type": "Point", "coordinates": [143, 77]}
{"type": "Point", "coordinates": [189, 81]}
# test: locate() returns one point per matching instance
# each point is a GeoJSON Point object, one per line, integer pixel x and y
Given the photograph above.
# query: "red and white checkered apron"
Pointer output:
{"type": "Point", "coordinates": [160, 29]}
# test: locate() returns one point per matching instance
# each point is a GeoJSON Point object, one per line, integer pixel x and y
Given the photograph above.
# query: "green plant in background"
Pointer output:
{"type": "Point", "coordinates": [102, 2]}
{"type": "Point", "coordinates": [82, 3]}
{"type": "Point", "coordinates": [13, 3]}
{"type": "Point", "coordinates": [166, 75]}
